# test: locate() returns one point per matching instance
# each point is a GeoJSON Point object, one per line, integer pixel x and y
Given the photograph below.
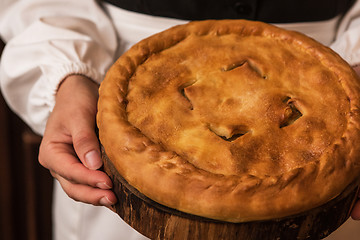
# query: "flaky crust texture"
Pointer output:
{"type": "Point", "coordinates": [232, 120]}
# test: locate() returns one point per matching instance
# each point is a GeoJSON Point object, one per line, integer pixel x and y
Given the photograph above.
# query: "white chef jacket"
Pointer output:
{"type": "Point", "coordinates": [48, 40]}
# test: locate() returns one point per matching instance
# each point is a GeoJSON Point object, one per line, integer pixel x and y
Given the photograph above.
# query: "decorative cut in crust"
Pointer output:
{"type": "Point", "coordinates": [232, 120]}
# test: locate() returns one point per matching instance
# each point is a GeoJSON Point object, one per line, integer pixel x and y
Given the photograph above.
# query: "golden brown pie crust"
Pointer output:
{"type": "Point", "coordinates": [232, 120]}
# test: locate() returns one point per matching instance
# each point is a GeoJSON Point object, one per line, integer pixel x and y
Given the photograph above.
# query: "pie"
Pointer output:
{"type": "Point", "coordinates": [232, 120]}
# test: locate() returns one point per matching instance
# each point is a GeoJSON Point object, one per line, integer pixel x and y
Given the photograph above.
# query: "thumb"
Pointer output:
{"type": "Point", "coordinates": [81, 111]}
{"type": "Point", "coordinates": [87, 148]}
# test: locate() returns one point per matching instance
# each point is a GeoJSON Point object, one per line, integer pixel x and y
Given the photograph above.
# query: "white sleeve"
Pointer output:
{"type": "Point", "coordinates": [347, 42]}
{"type": "Point", "coordinates": [46, 40]}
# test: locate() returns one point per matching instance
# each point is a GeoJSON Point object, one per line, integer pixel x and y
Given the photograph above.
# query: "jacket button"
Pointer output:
{"type": "Point", "coordinates": [243, 8]}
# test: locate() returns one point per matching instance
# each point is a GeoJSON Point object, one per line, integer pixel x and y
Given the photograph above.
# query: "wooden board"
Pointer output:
{"type": "Point", "coordinates": [160, 222]}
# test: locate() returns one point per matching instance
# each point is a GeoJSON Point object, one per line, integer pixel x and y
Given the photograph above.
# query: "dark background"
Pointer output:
{"type": "Point", "coordinates": [25, 186]}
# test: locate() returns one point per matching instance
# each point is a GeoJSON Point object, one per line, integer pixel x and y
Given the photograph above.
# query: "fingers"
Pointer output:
{"type": "Point", "coordinates": [87, 194]}
{"type": "Point", "coordinates": [61, 159]}
{"type": "Point", "coordinates": [357, 69]}
{"type": "Point", "coordinates": [355, 214]}
{"type": "Point", "coordinates": [79, 182]}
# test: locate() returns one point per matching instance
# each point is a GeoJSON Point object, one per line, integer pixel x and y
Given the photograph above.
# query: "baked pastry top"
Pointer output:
{"type": "Point", "coordinates": [232, 120]}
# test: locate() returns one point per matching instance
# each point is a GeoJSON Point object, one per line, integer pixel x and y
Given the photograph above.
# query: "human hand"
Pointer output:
{"type": "Point", "coordinates": [355, 214]}
{"type": "Point", "coordinates": [70, 148]}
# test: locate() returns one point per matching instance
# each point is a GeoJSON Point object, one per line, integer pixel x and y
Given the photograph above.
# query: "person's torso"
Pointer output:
{"type": "Point", "coordinates": [271, 11]}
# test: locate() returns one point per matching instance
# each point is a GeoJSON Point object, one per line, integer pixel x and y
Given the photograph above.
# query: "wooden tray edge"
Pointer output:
{"type": "Point", "coordinates": [160, 222]}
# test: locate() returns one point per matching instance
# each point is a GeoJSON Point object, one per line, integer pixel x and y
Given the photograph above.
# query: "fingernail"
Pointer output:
{"type": "Point", "coordinates": [105, 201]}
{"type": "Point", "coordinates": [93, 160]}
{"type": "Point", "coordinates": [103, 185]}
